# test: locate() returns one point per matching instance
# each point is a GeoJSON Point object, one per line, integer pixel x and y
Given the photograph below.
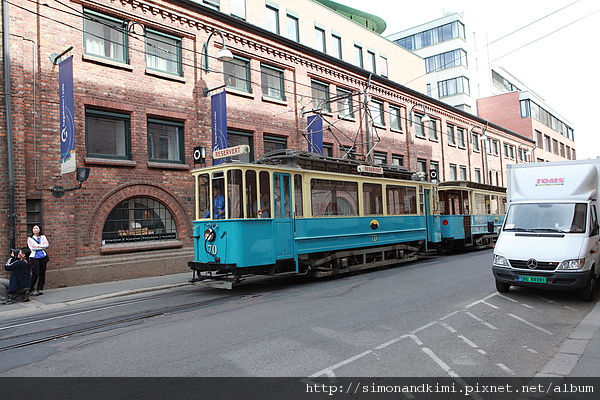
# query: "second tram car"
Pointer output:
{"type": "Point", "coordinates": [471, 213]}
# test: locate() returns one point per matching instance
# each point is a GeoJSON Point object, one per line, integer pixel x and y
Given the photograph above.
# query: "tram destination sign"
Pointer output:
{"type": "Point", "coordinates": [370, 169]}
{"type": "Point", "coordinates": [231, 151]}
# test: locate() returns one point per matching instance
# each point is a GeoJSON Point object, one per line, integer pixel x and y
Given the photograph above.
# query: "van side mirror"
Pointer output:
{"type": "Point", "coordinates": [595, 231]}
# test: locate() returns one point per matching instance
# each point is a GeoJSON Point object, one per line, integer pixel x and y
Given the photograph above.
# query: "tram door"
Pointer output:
{"type": "Point", "coordinates": [284, 229]}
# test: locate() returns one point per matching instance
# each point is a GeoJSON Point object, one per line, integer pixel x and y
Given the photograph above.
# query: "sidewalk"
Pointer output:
{"type": "Point", "coordinates": [61, 297]}
{"type": "Point", "coordinates": [578, 356]}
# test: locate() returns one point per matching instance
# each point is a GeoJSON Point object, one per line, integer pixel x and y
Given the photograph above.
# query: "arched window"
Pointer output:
{"type": "Point", "coordinates": [138, 219]}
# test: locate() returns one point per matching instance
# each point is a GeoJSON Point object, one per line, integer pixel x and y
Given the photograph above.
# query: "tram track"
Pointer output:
{"type": "Point", "coordinates": [20, 340]}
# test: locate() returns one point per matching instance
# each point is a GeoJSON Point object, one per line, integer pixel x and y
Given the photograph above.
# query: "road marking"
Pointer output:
{"type": "Point", "coordinates": [531, 324]}
{"type": "Point", "coordinates": [476, 318]}
{"type": "Point", "coordinates": [481, 301]}
{"type": "Point", "coordinates": [439, 361]}
{"type": "Point", "coordinates": [451, 329]}
{"type": "Point", "coordinates": [329, 371]}
{"type": "Point", "coordinates": [504, 367]}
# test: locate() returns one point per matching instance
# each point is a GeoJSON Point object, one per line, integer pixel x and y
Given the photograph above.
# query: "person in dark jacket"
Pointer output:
{"type": "Point", "coordinates": [19, 267]}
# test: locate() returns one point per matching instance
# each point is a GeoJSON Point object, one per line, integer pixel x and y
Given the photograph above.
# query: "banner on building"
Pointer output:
{"type": "Point", "coordinates": [67, 114]}
{"type": "Point", "coordinates": [218, 108]}
{"type": "Point", "coordinates": [315, 134]}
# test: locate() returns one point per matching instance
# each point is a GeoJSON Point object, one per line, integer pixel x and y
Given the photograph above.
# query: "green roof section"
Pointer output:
{"type": "Point", "coordinates": [369, 21]}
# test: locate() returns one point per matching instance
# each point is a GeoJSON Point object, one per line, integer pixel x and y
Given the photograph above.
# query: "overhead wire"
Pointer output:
{"type": "Point", "coordinates": [78, 13]}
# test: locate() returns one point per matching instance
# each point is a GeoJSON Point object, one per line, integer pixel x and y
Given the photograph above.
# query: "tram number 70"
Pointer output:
{"type": "Point", "coordinates": [212, 248]}
{"type": "Point", "coordinates": [374, 238]}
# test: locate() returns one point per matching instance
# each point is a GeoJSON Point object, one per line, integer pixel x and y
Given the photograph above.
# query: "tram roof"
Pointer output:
{"type": "Point", "coordinates": [317, 162]}
{"type": "Point", "coordinates": [471, 185]}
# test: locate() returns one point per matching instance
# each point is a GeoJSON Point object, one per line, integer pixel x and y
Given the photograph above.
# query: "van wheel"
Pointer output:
{"type": "Point", "coordinates": [502, 287]}
{"type": "Point", "coordinates": [588, 291]}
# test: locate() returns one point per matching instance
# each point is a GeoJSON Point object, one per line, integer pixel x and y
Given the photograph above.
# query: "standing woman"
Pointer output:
{"type": "Point", "coordinates": [38, 244]}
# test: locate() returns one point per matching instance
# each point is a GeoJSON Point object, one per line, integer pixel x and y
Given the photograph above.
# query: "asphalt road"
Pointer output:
{"type": "Point", "coordinates": [435, 318]}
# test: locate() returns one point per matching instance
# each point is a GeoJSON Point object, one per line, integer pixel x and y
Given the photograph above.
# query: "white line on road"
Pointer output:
{"type": "Point", "coordinates": [531, 324]}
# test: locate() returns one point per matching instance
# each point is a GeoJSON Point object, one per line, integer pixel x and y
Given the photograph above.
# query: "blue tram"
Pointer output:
{"type": "Point", "coordinates": [299, 213]}
{"type": "Point", "coordinates": [471, 213]}
{"type": "Point", "coordinates": [295, 212]}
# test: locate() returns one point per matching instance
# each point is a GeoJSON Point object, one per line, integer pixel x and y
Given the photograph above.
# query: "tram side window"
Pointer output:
{"type": "Point", "coordinates": [264, 211]}
{"type": "Point", "coordinates": [482, 204]}
{"type": "Point", "coordinates": [234, 193]}
{"type": "Point", "coordinates": [251, 194]}
{"type": "Point", "coordinates": [372, 199]}
{"type": "Point", "coordinates": [298, 209]}
{"type": "Point", "coordinates": [329, 197]}
{"type": "Point", "coordinates": [494, 204]}
{"type": "Point", "coordinates": [203, 196]}
{"type": "Point", "coordinates": [401, 200]}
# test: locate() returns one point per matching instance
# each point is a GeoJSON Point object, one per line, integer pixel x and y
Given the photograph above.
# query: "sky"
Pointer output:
{"type": "Point", "coordinates": [561, 65]}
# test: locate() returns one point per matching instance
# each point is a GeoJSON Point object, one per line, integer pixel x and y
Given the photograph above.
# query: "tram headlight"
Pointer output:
{"type": "Point", "coordinates": [209, 235]}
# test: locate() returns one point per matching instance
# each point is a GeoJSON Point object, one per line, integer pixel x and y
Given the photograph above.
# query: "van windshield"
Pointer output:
{"type": "Point", "coordinates": [547, 217]}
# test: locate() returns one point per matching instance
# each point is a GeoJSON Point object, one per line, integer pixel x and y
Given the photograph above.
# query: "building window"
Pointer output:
{"type": "Point", "coordinates": [432, 128]}
{"type": "Point", "coordinates": [216, 4]}
{"type": "Point", "coordinates": [422, 165]}
{"type": "Point", "coordinates": [419, 125]}
{"type": "Point", "coordinates": [34, 213]}
{"type": "Point", "coordinates": [463, 173]}
{"type": "Point", "coordinates": [501, 83]}
{"type": "Point", "coordinates": [434, 166]}
{"type": "Point", "coordinates": [477, 175]}
{"type": "Point", "coordinates": [163, 53]}
{"type": "Point", "coordinates": [320, 95]}
{"type": "Point", "coordinates": [358, 56]}
{"type": "Point", "coordinates": [397, 160]}
{"type": "Point", "coordinates": [475, 141]}
{"type": "Point", "coordinates": [272, 82]}
{"type": "Point", "coordinates": [345, 106]}
{"type": "Point", "coordinates": [107, 134]}
{"type": "Point", "coordinates": [547, 146]}
{"type": "Point", "coordinates": [104, 37]}
{"type": "Point", "coordinates": [395, 118]}
{"type": "Point", "coordinates": [140, 219]}
{"type": "Point", "coordinates": [446, 60]}
{"type": "Point", "coordinates": [460, 137]}
{"type": "Point", "coordinates": [238, 8]}
{"type": "Point", "coordinates": [562, 150]}
{"type": "Point", "coordinates": [455, 29]}
{"type": "Point", "coordinates": [453, 86]}
{"type": "Point", "coordinates": [293, 29]}
{"type": "Point", "coordinates": [555, 146]}
{"type": "Point", "coordinates": [272, 143]}
{"type": "Point", "coordinates": [272, 19]}
{"type": "Point", "coordinates": [453, 172]}
{"type": "Point", "coordinates": [327, 150]}
{"type": "Point", "coordinates": [165, 141]}
{"type": "Point", "coordinates": [377, 114]}
{"type": "Point", "coordinates": [383, 66]}
{"type": "Point", "coordinates": [238, 138]}
{"type": "Point", "coordinates": [336, 46]}
{"type": "Point", "coordinates": [450, 134]}
{"type": "Point", "coordinates": [320, 39]}
{"type": "Point", "coordinates": [371, 62]}
{"type": "Point", "coordinates": [379, 158]}
{"type": "Point", "coordinates": [237, 74]}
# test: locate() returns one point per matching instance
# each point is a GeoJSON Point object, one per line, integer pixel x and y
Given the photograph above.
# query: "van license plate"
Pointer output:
{"type": "Point", "coordinates": [532, 279]}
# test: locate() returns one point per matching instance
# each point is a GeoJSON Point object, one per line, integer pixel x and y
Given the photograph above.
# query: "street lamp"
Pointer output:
{"type": "Point", "coordinates": [425, 118]}
{"type": "Point", "coordinates": [82, 176]}
{"type": "Point", "coordinates": [223, 55]}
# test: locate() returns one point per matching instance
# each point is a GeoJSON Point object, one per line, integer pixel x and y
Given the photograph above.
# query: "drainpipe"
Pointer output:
{"type": "Point", "coordinates": [9, 133]}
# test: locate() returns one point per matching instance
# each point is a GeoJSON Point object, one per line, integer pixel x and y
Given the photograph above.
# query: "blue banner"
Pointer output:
{"type": "Point", "coordinates": [218, 112]}
{"type": "Point", "coordinates": [315, 134]}
{"type": "Point", "coordinates": [67, 116]}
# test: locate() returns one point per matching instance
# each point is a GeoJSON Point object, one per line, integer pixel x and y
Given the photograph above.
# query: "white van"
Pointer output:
{"type": "Point", "coordinates": [550, 238]}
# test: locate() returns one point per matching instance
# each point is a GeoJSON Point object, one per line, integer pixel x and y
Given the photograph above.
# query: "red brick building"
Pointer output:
{"type": "Point", "coordinates": [140, 108]}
